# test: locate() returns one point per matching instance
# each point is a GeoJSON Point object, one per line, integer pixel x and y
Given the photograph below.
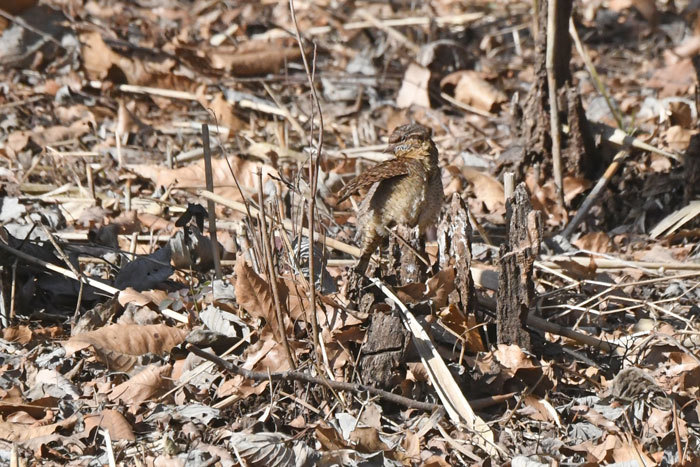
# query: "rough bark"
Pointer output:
{"type": "Point", "coordinates": [404, 263]}
{"type": "Point", "coordinates": [516, 290]}
{"type": "Point", "coordinates": [535, 139]}
{"type": "Point", "coordinates": [384, 353]}
{"type": "Point", "coordinates": [455, 250]}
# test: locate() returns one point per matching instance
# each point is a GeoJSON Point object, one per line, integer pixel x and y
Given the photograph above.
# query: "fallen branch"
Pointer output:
{"type": "Point", "coordinates": [306, 378]}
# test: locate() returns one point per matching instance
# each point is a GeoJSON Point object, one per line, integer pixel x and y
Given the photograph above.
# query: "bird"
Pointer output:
{"type": "Point", "coordinates": [405, 190]}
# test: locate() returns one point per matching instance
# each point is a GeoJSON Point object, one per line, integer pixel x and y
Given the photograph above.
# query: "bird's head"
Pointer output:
{"type": "Point", "coordinates": [412, 140]}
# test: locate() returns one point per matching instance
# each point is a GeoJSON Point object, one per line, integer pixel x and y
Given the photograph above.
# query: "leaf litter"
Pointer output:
{"type": "Point", "coordinates": [102, 178]}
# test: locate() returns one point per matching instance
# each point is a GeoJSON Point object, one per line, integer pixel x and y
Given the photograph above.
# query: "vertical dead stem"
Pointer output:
{"type": "Point", "coordinates": [552, 92]}
{"type": "Point", "coordinates": [272, 277]}
{"type": "Point", "coordinates": [313, 175]}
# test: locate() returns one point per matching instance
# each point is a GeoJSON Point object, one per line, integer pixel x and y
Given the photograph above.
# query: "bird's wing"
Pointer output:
{"type": "Point", "coordinates": [387, 169]}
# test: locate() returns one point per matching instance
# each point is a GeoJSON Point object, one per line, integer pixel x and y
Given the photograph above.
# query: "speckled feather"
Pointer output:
{"type": "Point", "coordinates": [387, 169]}
{"type": "Point", "coordinates": [405, 190]}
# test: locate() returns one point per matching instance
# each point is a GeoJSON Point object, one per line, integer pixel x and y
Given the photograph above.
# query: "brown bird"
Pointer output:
{"type": "Point", "coordinates": [405, 190]}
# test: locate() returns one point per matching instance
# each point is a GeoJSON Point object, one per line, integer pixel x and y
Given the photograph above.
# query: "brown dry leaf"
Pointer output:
{"type": "Point", "coordinates": [577, 270]}
{"type": "Point", "coordinates": [99, 58]}
{"type": "Point", "coordinates": [414, 89]}
{"type": "Point", "coordinates": [119, 345]}
{"type": "Point", "coordinates": [435, 461]}
{"type": "Point", "coordinates": [463, 326]}
{"type": "Point", "coordinates": [487, 189]}
{"type": "Point", "coordinates": [254, 295]}
{"type": "Point", "coordinates": [113, 421]}
{"type": "Point", "coordinates": [17, 140]}
{"type": "Point", "coordinates": [677, 138]}
{"type": "Point", "coordinates": [225, 116]}
{"type": "Point", "coordinates": [626, 452]}
{"type": "Point", "coordinates": [151, 381]}
{"type": "Point", "coordinates": [574, 186]}
{"type": "Point", "coordinates": [366, 439]}
{"type": "Point", "coordinates": [257, 58]}
{"type": "Point", "coordinates": [192, 176]}
{"type": "Point", "coordinates": [512, 357]}
{"type": "Point", "coordinates": [472, 89]}
{"type": "Point", "coordinates": [647, 8]}
{"type": "Point", "coordinates": [23, 334]}
{"type": "Point", "coordinates": [544, 198]}
{"type": "Point", "coordinates": [329, 438]}
{"type": "Point", "coordinates": [676, 79]}
{"type": "Point", "coordinates": [543, 410]}
{"type": "Point", "coordinates": [440, 286]}
{"type": "Point", "coordinates": [20, 334]}
{"type": "Point", "coordinates": [599, 452]}
{"type": "Point", "coordinates": [660, 164]}
{"type": "Point", "coordinates": [127, 122]}
{"type": "Point", "coordinates": [144, 298]}
{"type": "Point", "coordinates": [620, 5]}
{"type": "Point", "coordinates": [16, 7]}
{"type": "Point", "coordinates": [155, 223]}
{"type": "Point", "coordinates": [21, 432]}
{"type": "Point", "coordinates": [411, 446]}
{"type": "Point", "coordinates": [14, 402]}
{"type": "Point", "coordinates": [245, 387]}
{"type": "Point", "coordinates": [295, 299]}
{"type": "Point", "coordinates": [594, 241]}
{"type": "Point", "coordinates": [689, 47]}
{"type": "Point", "coordinates": [128, 222]}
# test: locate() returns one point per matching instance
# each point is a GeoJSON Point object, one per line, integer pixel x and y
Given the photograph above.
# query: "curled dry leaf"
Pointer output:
{"type": "Point", "coordinates": [118, 426]}
{"type": "Point", "coordinates": [472, 89]}
{"type": "Point", "coordinates": [414, 89]}
{"type": "Point", "coordinates": [99, 58]}
{"type": "Point", "coordinates": [258, 58]}
{"type": "Point", "coordinates": [150, 382]}
{"type": "Point", "coordinates": [192, 176]}
{"type": "Point", "coordinates": [254, 295]}
{"type": "Point", "coordinates": [594, 241]}
{"type": "Point", "coordinates": [487, 189]}
{"type": "Point", "coordinates": [20, 432]}
{"type": "Point", "coordinates": [118, 345]}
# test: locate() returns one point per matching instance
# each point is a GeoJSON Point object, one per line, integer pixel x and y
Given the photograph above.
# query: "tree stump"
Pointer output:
{"type": "Point", "coordinates": [404, 263]}
{"type": "Point", "coordinates": [516, 290]}
{"type": "Point", "coordinates": [455, 250]}
{"type": "Point", "coordinates": [533, 123]}
{"type": "Point", "coordinates": [384, 353]}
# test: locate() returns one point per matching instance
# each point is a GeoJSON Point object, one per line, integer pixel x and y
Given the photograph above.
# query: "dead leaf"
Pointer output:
{"type": "Point", "coordinates": [114, 422]}
{"type": "Point", "coordinates": [414, 88]}
{"type": "Point", "coordinates": [21, 432]}
{"type": "Point", "coordinates": [594, 241]}
{"type": "Point", "coordinates": [118, 345]}
{"type": "Point", "coordinates": [257, 58]}
{"type": "Point", "coordinates": [192, 176]}
{"type": "Point", "coordinates": [150, 382]}
{"type": "Point", "coordinates": [254, 295]}
{"type": "Point", "coordinates": [472, 89]}
{"type": "Point", "coordinates": [487, 189]}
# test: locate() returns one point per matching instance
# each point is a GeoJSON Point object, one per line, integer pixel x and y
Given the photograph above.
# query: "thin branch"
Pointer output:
{"type": "Point", "coordinates": [305, 378]}
{"type": "Point", "coordinates": [314, 164]}
{"type": "Point", "coordinates": [267, 249]}
{"type": "Point", "coordinates": [555, 125]}
{"type": "Point", "coordinates": [211, 206]}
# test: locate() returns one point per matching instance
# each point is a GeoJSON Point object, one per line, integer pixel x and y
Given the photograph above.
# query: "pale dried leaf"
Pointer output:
{"type": "Point", "coordinates": [118, 345]}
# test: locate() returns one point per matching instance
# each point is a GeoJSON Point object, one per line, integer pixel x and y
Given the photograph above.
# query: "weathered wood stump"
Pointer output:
{"type": "Point", "coordinates": [455, 250]}
{"type": "Point", "coordinates": [516, 290]}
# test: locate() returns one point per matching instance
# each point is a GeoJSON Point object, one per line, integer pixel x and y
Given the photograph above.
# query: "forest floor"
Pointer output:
{"type": "Point", "coordinates": [104, 179]}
